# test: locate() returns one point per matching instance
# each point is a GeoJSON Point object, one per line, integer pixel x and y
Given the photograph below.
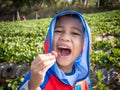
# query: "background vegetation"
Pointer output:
{"type": "Point", "coordinates": [21, 41]}
{"type": "Point", "coordinates": [11, 10]}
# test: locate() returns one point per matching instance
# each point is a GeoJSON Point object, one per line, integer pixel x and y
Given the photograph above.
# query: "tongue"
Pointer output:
{"type": "Point", "coordinates": [65, 52]}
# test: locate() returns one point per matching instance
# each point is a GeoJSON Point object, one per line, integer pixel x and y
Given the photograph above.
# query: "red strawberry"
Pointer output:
{"type": "Point", "coordinates": [54, 53]}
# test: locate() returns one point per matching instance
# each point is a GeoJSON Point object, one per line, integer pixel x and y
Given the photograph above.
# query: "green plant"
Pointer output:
{"type": "Point", "coordinates": [21, 41]}
{"type": "Point", "coordinates": [12, 84]}
{"type": "Point", "coordinates": [100, 85]}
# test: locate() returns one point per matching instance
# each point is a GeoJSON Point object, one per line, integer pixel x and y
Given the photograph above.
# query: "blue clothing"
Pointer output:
{"type": "Point", "coordinates": [82, 63]}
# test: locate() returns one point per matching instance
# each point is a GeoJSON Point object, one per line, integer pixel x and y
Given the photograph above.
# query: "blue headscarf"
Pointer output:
{"type": "Point", "coordinates": [82, 63]}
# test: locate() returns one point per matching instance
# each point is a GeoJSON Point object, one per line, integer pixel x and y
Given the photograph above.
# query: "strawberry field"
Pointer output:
{"type": "Point", "coordinates": [21, 41]}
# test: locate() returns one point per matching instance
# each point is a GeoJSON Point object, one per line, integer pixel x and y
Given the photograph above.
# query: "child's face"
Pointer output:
{"type": "Point", "coordinates": [67, 41]}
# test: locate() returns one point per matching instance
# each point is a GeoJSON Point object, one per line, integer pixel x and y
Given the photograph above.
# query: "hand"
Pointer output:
{"type": "Point", "coordinates": [39, 67]}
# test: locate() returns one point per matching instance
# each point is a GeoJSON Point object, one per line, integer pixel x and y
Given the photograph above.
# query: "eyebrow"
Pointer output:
{"type": "Point", "coordinates": [58, 26]}
{"type": "Point", "coordinates": [78, 29]}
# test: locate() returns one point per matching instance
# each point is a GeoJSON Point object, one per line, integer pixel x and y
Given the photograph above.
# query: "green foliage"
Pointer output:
{"type": "Point", "coordinates": [105, 52]}
{"type": "Point", "coordinates": [13, 84]}
{"type": "Point", "coordinates": [100, 85]}
{"type": "Point", "coordinates": [21, 41]}
{"type": "Point", "coordinates": [108, 22]}
{"type": "Point", "coordinates": [102, 45]}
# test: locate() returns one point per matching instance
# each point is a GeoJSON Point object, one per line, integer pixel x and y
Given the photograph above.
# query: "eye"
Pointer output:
{"type": "Point", "coordinates": [58, 31]}
{"type": "Point", "coordinates": [76, 33]}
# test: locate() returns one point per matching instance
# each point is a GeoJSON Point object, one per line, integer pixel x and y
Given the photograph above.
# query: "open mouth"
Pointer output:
{"type": "Point", "coordinates": [64, 51]}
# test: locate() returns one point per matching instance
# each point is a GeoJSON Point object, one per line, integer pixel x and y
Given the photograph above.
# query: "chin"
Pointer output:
{"type": "Point", "coordinates": [63, 63]}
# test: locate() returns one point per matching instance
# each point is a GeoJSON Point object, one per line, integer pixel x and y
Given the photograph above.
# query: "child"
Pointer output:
{"type": "Point", "coordinates": [67, 67]}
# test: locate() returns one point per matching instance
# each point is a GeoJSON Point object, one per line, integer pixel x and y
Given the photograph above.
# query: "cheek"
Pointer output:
{"type": "Point", "coordinates": [78, 45]}
{"type": "Point", "coordinates": [54, 42]}
{"type": "Point", "coordinates": [78, 49]}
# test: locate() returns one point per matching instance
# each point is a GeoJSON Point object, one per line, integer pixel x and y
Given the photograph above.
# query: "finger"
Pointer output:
{"type": "Point", "coordinates": [45, 57]}
{"type": "Point", "coordinates": [41, 63]}
{"type": "Point", "coordinates": [40, 71]}
{"type": "Point", "coordinates": [46, 67]}
{"type": "Point", "coordinates": [54, 53]}
{"type": "Point", "coordinates": [42, 58]}
{"type": "Point", "coordinates": [45, 64]}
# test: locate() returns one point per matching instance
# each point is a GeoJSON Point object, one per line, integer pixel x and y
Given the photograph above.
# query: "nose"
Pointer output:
{"type": "Point", "coordinates": [65, 37]}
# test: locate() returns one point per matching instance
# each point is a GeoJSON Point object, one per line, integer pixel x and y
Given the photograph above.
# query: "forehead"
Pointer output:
{"type": "Point", "coordinates": [73, 16]}
{"type": "Point", "coordinates": [70, 20]}
{"type": "Point", "coordinates": [70, 15]}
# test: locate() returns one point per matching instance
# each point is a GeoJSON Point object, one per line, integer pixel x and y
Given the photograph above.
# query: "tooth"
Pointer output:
{"type": "Point", "coordinates": [62, 47]}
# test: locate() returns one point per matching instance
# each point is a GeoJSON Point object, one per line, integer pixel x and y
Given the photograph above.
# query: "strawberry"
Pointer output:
{"type": "Point", "coordinates": [54, 53]}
